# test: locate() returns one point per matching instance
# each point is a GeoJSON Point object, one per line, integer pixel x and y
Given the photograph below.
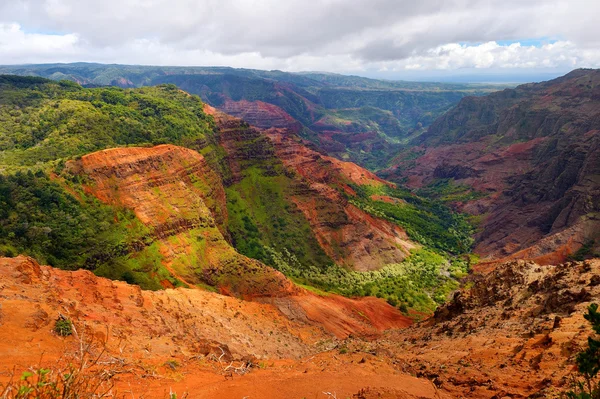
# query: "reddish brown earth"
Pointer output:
{"type": "Point", "coordinates": [260, 114]}
{"type": "Point", "coordinates": [534, 154]}
{"type": "Point", "coordinates": [172, 190]}
{"type": "Point", "coordinates": [513, 334]}
{"type": "Point", "coordinates": [172, 339]}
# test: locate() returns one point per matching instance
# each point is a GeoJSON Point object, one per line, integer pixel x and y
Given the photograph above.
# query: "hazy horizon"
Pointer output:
{"type": "Point", "coordinates": [460, 76]}
{"type": "Point", "coordinates": [458, 41]}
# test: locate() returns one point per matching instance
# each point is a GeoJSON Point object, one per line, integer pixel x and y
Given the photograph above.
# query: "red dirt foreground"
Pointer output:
{"type": "Point", "coordinates": [191, 341]}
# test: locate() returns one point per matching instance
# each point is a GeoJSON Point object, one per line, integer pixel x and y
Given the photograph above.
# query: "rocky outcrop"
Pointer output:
{"type": "Point", "coordinates": [515, 333]}
{"type": "Point", "coordinates": [533, 155]}
{"type": "Point", "coordinates": [260, 114]}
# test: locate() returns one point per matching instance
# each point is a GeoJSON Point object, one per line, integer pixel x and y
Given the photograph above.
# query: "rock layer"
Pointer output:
{"type": "Point", "coordinates": [172, 190]}
{"type": "Point", "coordinates": [362, 241]}
{"type": "Point", "coordinates": [348, 235]}
{"type": "Point", "coordinates": [534, 154]}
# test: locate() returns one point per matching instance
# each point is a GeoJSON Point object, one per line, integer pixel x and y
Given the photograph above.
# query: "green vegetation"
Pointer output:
{"type": "Point", "coordinates": [77, 374]}
{"type": "Point", "coordinates": [261, 214]}
{"type": "Point", "coordinates": [588, 362]}
{"type": "Point", "coordinates": [409, 107]}
{"type": "Point", "coordinates": [396, 110]}
{"type": "Point", "coordinates": [43, 124]}
{"type": "Point", "coordinates": [365, 119]}
{"type": "Point", "coordinates": [39, 218]}
{"type": "Point", "coordinates": [63, 326]}
{"type": "Point", "coordinates": [426, 221]}
{"type": "Point", "coordinates": [447, 191]}
{"type": "Point", "coordinates": [420, 282]}
{"type": "Point", "coordinates": [43, 121]}
{"type": "Point", "coordinates": [265, 224]}
{"type": "Point", "coordinates": [586, 251]}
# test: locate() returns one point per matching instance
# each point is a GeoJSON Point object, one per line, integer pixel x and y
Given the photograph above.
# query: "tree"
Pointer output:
{"type": "Point", "coordinates": [588, 362]}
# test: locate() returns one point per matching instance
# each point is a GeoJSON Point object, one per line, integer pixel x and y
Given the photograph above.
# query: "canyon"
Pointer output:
{"type": "Point", "coordinates": [529, 159]}
{"type": "Point", "coordinates": [226, 251]}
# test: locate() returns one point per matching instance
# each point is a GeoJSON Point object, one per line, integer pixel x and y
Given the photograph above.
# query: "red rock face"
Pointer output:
{"type": "Point", "coordinates": [348, 235]}
{"type": "Point", "coordinates": [172, 190]}
{"type": "Point", "coordinates": [123, 176]}
{"type": "Point", "coordinates": [260, 114]}
{"type": "Point", "coordinates": [362, 241]}
{"type": "Point", "coordinates": [534, 152]}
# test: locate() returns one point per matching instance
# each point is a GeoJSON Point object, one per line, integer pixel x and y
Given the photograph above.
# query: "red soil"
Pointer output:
{"type": "Point", "coordinates": [145, 329]}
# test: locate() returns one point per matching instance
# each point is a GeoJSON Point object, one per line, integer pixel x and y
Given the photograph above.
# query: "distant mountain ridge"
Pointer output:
{"type": "Point", "coordinates": [353, 118]}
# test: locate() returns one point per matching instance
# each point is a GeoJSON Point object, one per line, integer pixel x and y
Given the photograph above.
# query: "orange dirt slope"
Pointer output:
{"type": "Point", "coordinates": [170, 339]}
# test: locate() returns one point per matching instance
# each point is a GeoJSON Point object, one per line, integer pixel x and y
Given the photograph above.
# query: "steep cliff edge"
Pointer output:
{"type": "Point", "coordinates": [527, 161]}
{"type": "Point", "coordinates": [173, 191]}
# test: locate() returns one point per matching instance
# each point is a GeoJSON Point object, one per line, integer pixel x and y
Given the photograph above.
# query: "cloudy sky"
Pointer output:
{"type": "Point", "coordinates": [388, 38]}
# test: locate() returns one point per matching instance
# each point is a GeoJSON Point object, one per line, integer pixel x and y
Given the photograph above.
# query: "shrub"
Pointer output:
{"type": "Point", "coordinates": [172, 364]}
{"type": "Point", "coordinates": [63, 326]}
{"type": "Point", "coordinates": [588, 362]}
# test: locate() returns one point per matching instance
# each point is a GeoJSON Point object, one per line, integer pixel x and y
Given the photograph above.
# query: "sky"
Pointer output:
{"type": "Point", "coordinates": [469, 40]}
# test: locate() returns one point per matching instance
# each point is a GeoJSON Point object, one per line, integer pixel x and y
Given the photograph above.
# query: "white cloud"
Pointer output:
{"type": "Point", "coordinates": [557, 55]}
{"type": "Point", "coordinates": [334, 35]}
{"type": "Point", "coordinates": [18, 46]}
